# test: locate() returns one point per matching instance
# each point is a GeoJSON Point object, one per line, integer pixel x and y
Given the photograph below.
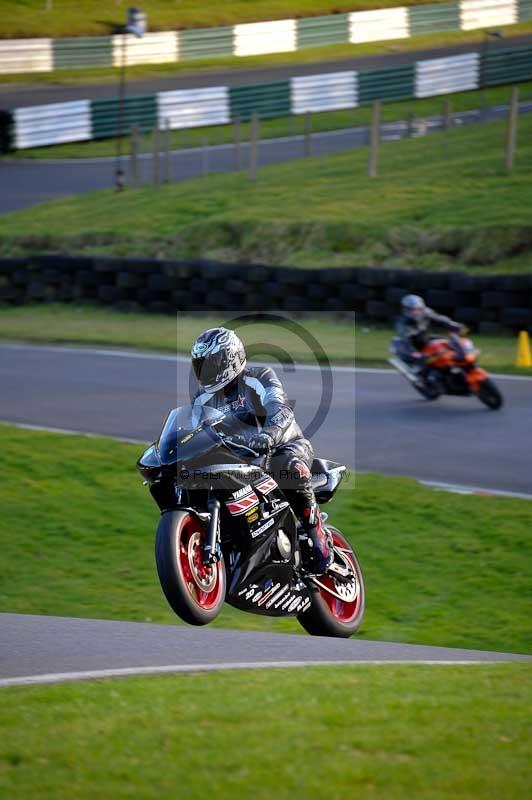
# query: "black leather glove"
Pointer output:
{"type": "Point", "coordinates": [262, 443]}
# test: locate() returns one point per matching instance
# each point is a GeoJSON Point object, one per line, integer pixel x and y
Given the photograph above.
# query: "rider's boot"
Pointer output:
{"type": "Point", "coordinates": [319, 555]}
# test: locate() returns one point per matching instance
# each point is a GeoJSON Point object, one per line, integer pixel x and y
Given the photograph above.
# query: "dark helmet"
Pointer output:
{"type": "Point", "coordinates": [413, 306]}
{"type": "Point", "coordinates": [218, 357]}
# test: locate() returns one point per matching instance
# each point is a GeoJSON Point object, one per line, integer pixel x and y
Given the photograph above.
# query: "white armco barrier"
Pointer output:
{"type": "Point", "coordinates": [256, 38]}
{"type": "Point", "coordinates": [52, 124]}
{"type": "Point", "coordinates": [26, 55]}
{"type": "Point", "coordinates": [152, 48]}
{"type": "Point", "coordinates": [483, 13]}
{"type": "Point", "coordinates": [375, 26]}
{"type": "Point", "coordinates": [193, 108]}
{"type": "Point", "coordinates": [445, 75]}
{"type": "Point", "coordinates": [324, 92]}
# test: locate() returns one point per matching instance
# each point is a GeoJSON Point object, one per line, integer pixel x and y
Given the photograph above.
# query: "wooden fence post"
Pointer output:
{"type": "Point", "coordinates": [308, 132]}
{"type": "Point", "coordinates": [511, 133]}
{"type": "Point", "coordinates": [135, 147]}
{"type": "Point", "coordinates": [373, 162]}
{"type": "Point", "coordinates": [205, 157]}
{"type": "Point", "coordinates": [167, 157]}
{"type": "Point", "coordinates": [447, 123]}
{"type": "Point", "coordinates": [253, 147]}
{"type": "Point", "coordinates": [237, 134]}
{"type": "Point", "coordinates": [155, 157]}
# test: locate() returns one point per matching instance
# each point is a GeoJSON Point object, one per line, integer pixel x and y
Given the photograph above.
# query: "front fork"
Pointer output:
{"type": "Point", "coordinates": [211, 551]}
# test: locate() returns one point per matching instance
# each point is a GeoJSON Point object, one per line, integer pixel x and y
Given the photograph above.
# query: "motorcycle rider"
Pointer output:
{"type": "Point", "coordinates": [413, 329]}
{"type": "Point", "coordinates": [258, 402]}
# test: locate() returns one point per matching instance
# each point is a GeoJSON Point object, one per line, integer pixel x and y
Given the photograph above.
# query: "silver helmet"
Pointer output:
{"type": "Point", "coordinates": [218, 357]}
{"type": "Point", "coordinates": [413, 306]}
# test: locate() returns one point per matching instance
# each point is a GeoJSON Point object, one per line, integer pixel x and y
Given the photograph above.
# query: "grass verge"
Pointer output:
{"type": "Point", "coordinates": [93, 17]}
{"type": "Point", "coordinates": [342, 341]}
{"type": "Point", "coordinates": [77, 526]}
{"type": "Point", "coordinates": [425, 210]}
{"type": "Point", "coordinates": [393, 732]}
{"type": "Point", "coordinates": [284, 126]}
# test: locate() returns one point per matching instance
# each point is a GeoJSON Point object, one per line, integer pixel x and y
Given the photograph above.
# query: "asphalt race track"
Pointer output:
{"type": "Point", "coordinates": [17, 95]}
{"type": "Point", "coordinates": [372, 419]}
{"type": "Point", "coordinates": [36, 649]}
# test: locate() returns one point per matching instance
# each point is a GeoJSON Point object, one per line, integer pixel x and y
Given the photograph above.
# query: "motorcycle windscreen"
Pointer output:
{"type": "Point", "coordinates": [181, 425]}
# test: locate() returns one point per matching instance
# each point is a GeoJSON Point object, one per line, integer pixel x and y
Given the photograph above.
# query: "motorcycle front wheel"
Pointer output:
{"type": "Point", "coordinates": [195, 592]}
{"type": "Point", "coordinates": [337, 606]}
{"type": "Point", "coordinates": [489, 394]}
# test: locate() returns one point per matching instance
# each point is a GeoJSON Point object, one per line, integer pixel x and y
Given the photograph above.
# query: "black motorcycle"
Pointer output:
{"type": "Point", "coordinates": [228, 534]}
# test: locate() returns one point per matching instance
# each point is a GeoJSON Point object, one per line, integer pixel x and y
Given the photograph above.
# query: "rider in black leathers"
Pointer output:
{"type": "Point", "coordinates": [266, 423]}
{"type": "Point", "coordinates": [413, 329]}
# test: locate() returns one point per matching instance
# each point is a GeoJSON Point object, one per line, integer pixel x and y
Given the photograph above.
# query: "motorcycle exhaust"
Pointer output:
{"type": "Point", "coordinates": [403, 369]}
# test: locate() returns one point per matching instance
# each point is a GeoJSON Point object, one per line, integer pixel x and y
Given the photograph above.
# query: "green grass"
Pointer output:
{"type": "Point", "coordinates": [342, 341]}
{"type": "Point", "coordinates": [310, 55]}
{"type": "Point", "coordinates": [77, 526]}
{"type": "Point", "coordinates": [425, 210]}
{"type": "Point", "coordinates": [386, 733]}
{"type": "Point", "coordinates": [29, 18]}
{"type": "Point", "coordinates": [284, 126]}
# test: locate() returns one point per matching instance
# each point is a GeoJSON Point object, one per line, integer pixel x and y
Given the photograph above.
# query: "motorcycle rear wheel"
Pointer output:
{"type": "Point", "coordinates": [329, 615]}
{"type": "Point", "coordinates": [194, 591]}
{"type": "Point", "coordinates": [489, 394]}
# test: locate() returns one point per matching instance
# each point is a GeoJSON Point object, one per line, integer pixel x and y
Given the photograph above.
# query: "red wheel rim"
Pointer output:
{"type": "Point", "coordinates": [204, 583]}
{"type": "Point", "coordinates": [343, 611]}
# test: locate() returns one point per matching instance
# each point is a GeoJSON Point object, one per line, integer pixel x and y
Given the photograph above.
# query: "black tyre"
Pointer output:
{"type": "Point", "coordinates": [490, 395]}
{"type": "Point", "coordinates": [428, 391]}
{"type": "Point", "coordinates": [337, 607]}
{"type": "Point", "coordinates": [195, 592]}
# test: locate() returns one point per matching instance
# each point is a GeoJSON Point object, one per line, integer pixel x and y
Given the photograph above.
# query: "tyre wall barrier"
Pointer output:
{"type": "Point", "coordinates": [487, 303]}
{"type": "Point", "coordinates": [276, 36]}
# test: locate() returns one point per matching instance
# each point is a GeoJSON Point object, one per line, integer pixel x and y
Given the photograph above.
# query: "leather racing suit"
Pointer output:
{"type": "Point", "coordinates": [258, 401]}
{"type": "Point", "coordinates": [414, 334]}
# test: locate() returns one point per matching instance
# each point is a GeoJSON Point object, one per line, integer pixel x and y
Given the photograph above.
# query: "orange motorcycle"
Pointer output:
{"type": "Point", "coordinates": [449, 366]}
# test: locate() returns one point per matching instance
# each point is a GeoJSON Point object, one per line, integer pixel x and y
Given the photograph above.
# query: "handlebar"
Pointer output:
{"type": "Point", "coordinates": [228, 441]}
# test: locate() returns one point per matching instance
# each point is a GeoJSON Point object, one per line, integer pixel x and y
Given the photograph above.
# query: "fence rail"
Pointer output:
{"type": "Point", "coordinates": [188, 108]}
{"type": "Point", "coordinates": [285, 35]}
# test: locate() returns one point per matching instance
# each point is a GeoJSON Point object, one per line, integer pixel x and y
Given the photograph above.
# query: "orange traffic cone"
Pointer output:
{"type": "Point", "coordinates": [524, 356]}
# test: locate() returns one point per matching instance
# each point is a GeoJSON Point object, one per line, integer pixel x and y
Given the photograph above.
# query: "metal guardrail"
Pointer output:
{"type": "Point", "coordinates": [43, 55]}
{"type": "Point", "coordinates": [189, 108]}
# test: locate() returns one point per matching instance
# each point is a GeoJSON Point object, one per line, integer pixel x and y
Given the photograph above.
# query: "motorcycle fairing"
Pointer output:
{"type": "Point", "coordinates": [270, 589]}
{"type": "Point", "coordinates": [475, 377]}
{"type": "Point", "coordinates": [258, 570]}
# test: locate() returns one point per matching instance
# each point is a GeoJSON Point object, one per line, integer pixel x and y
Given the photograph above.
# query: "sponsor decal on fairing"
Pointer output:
{"type": "Point", "coordinates": [242, 492]}
{"type": "Point", "coordinates": [240, 506]}
{"type": "Point", "coordinates": [262, 528]}
{"type": "Point", "coordinates": [266, 486]}
{"type": "Point", "coordinates": [275, 596]}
